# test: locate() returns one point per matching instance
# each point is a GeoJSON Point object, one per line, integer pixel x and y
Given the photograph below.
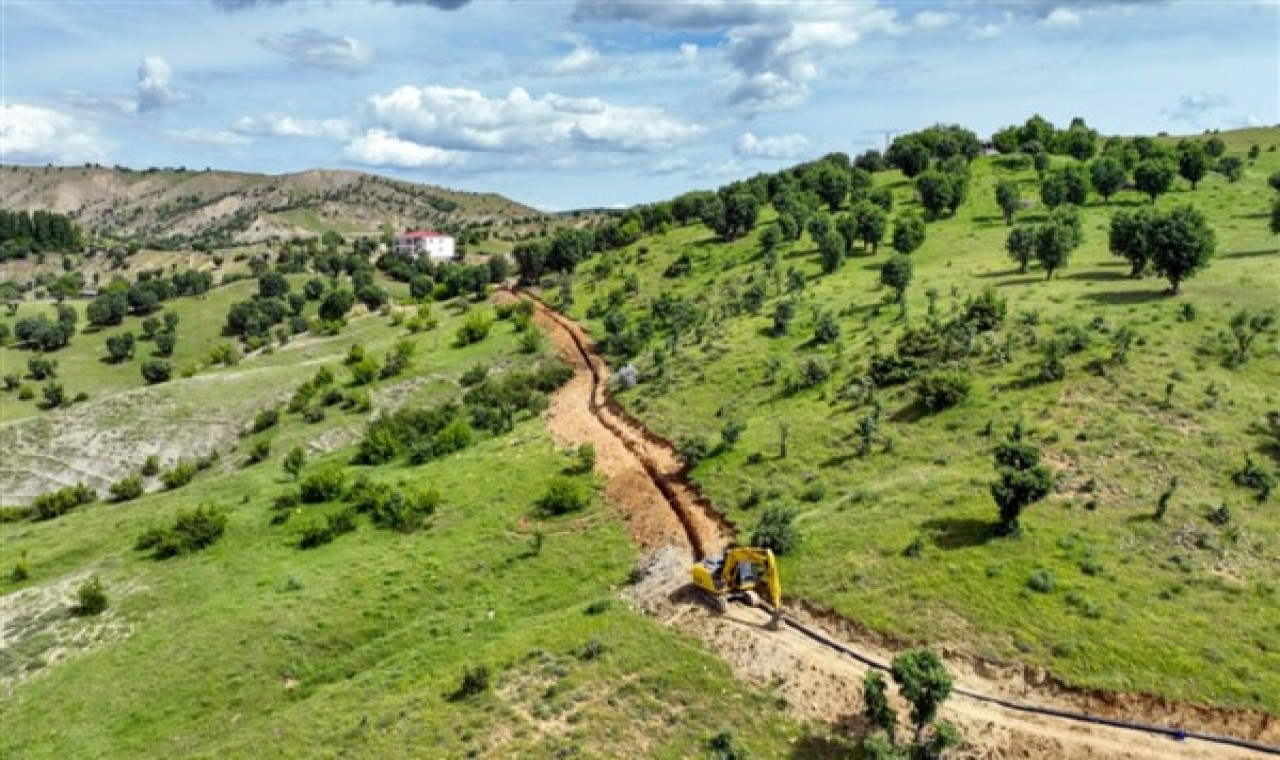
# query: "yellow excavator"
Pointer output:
{"type": "Point", "coordinates": [736, 575]}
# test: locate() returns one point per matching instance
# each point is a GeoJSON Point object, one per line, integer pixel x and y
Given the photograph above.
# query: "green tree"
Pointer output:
{"type": "Point", "coordinates": [1215, 147]}
{"type": "Point", "coordinates": [1182, 243]}
{"type": "Point", "coordinates": [120, 347]}
{"type": "Point", "coordinates": [938, 191]}
{"type": "Point", "coordinates": [1009, 199]}
{"type": "Point", "coordinates": [165, 342]}
{"type": "Point", "coordinates": [1231, 167]}
{"type": "Point", "coordinates": [1274, 181]}
{"type": "Point", "coordinates": [831, 249]}
{"type": "Point", "coordinates": [909, 154]}
{"type": "Point", "coordinates": [336, 304]}
{"type": "Point", "coordinates": [1154, 176]}
{"type": "Point", "coordinates": [831, 183]}
{"type": "Point", "coordinates": [156, 371]}
{"type": "Point", "coordinates": [1128, 239]}
{"type": "Point", "coordinates": [54, 395]}
{"type": "Point", "coordinates": [908, 233]}
{"type": "Point", "coordinates": [1023, 480]}
{"type": "Point", "coordinates": [1021, 245]}
{"type": "Point", "coordinates": [1246, 327]}
{"type": "Point", "coordinates": [1053, 189]}
{"type": "Point", "coordinates": [1053, 246]}
{"type": "Point", "coordinates": [875, 704]}
{"type": "Point", "coordinates": [871, 223]}
{"type": "Point", "coordinates": [294, 461]}
{"type": "Point", "coordinates": [1193, 163]}
{"type": "Point", "coordinates": [1108, 176]}
{"type": "Point", "coordinates": [272, 285]}
{"type": "Point", "coordinates": [924, 682]}
{"type": "Point", "coordinates": [896, 275]}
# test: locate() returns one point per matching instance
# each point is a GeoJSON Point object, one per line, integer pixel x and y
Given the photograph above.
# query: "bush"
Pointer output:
{"type": "Point", "coordinates": [322, 485]}
{"type": "Point", "coordinates": [26, 393]}
{"type": "Point", "coordinates": [192, 531]}
{"type": "Point", "coordinates": [181, 474]}
{"type": "Point", "coordinates": [267, 418]}
{"type": "Point", "coordinates": [127, 489]}
{"type": "Point", "coordinates": [475, 680]}
{"type": "Point", "coordinates": [586, 458]}
{"type": "Point", "coordinates": [91, 598]}
{"type": "Point", "coordinates": [942, 390]}
{"type": "Point", "coordinates": [150, 467]}
{"type": "Point", "coordinates": [563, 495]}
{"type": "Point", "coordinates": [1042, 582]}
{"type": "Point", "coordinates": [474, 376]}
{"type": "Point", "coordinates": [318, 534]}
{"type": "Point", "coordinates": [1255, 477]}
{"type": "Point", "coordinates": [473, 330]}
{"type": "Point", "coordinates": [259, 451]}
{"type": "Point", "coordinates": [57, 503]}
{"type": "Point", "coordinates": [364, 371]}
{"type": "Point", "coordinates": [401, 509]}
{"type": "Point", "coordinates": [693, 449]}
{"type": "Point", "coordinates": [156, 371]}
{"type": "Point", "coordinates": [776, 530]}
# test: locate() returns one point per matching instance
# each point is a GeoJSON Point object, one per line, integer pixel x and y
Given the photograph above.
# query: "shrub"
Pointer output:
{"type": "Point", "coordinates": [474, 376]}
{"type": "Point", "coordinates": [127, 489]}
{"type": "Point", "coordinates": [586, 458]}
{"type": "Point", "coordinates": [150, 467]}
{"type": "Point", "coordinates": [473, 330]}
{"type": "Point", "coordinates": [192, 531]}
{"type": "Point", "coordinates": [475, 680]}
{"type": "Point", "coordinates": [57, 503]}
{"type": "Point", "coordinates": [54, 395]}
{"type": "Point", "coordinates": [937, 391]}
{"type": "Point", "coordinates": [563, 495]}
{"type": "Point", "coordinates": [725, 746]}
{"type": "Point", "coordinates": [181, 474]}
{"type": "Point", "coordinates": [400, 509]}
{"type": "Point", "coordinates": [41, 368]}
{"type": "Point", "coordinates": [1042, 582]}
{"type": "Point", "coordinates": [776, 530]}
{"type": "Point", "coordinates": [364, 371]}
{"type": "Point", "coordinates": [730, 432]}
{"type": "Point", "coordinates": [259, 451]}
{"type": "Point", "coordinates": [814, 372]}
{"type": "Point", "coordinates": [156, 371]}
{"type": "Point", "coordinates": [26, 393]}
{"type": "Point", "coordinates": [318, 534]}
{"type": "Point", "coordinates": [91, 598]}
{"type": "Point", "coordinates": [267, 418]}
{"type": "Point", "coordinates": [294, 461]}
{"type": "Point", "coordinates": [322, 485]}
{"type": "Point", "coordinates": [20, 571]}
{"type": "Point", "coordinates": [1255, 477]}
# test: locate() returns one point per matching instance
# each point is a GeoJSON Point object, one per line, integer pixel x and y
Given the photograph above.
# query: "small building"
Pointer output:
{"type": "Point", "coordinates": [437, 245]}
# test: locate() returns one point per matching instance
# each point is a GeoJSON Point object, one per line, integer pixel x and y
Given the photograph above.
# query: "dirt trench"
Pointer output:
{"type": "Point", "coordinates": [674, 523]}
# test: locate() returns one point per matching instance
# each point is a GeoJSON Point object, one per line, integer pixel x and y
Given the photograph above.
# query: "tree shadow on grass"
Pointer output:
{"type": "Point", "coordinates": [950, 533]}
{"type": "Point", "coordinates": [1251, 254]}
{"type": "Point", "coordinates": [1096, 276]}
{"type": "Point", "coordinates": [1007, 273]}
{"type": "Point", "coordinates": [1126, 298]}
{"type": "Point", "coordinates": [1020, 281]}
{"type": "Point", "coordinates": [812, 746]}
{"type": "Point", "coordinates": [912, 412]}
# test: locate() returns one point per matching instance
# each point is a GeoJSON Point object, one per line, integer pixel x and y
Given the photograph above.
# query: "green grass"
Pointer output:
{"type": "Point", "coordinates": [1151, 615]}
{"type": "Point", "coordinates": [355, 648]}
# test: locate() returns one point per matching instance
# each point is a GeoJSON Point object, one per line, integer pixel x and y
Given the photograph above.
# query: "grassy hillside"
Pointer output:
{"type": "Point", "coordinates": [902, 539]}
{"type": "Point", "coordinates": [357, 647]}
{"type": "Point", "coordinates": [245, 207]}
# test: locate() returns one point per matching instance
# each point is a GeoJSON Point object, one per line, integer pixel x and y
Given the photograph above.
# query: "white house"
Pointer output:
{"type": "Point", "coordinates": [437, 245]}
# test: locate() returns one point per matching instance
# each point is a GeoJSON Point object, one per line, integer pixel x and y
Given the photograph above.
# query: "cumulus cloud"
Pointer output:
{"type": "Point", "coordinates": [32, 134]}
{"type": "Point", "coordinates": [312, 47]}
{"type": "Point", "coordinates": [775, 50]}
{"type": "Point", "coordinates": [155, 85]}
{"type": "Point", "coordinates": [1194, 107]}
{"type": "Point", "coordinates": [378, 147]}
{"type": "Point", "coordinates": [772, 147]}
{"type": "Point", "coordinates": [277, 125]}
{"type": "Point", "coordinates": [934, 20]}
{"type": "Point", "coordinates": [457, 118]}
{"type": "Point", "coordinates": [1062, 18]}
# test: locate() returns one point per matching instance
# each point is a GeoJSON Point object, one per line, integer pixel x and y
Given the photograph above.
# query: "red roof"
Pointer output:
{"type": "Point", "coordinates": [422, 234]}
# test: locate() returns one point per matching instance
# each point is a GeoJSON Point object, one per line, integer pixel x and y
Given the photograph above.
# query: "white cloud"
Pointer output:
{"type": "Point", "coordinates": [377, 147]}
{"type": "Point", "coordinates": [583, 58]}
{"type": "Point", "coordinates": [772, 147]}
{"type": "Point", "coordinates": [987, 31]}
{"type": "Point", "coordinates": [934, 20]}
{"type": "Point", "coordinates": [775, 50]}
{"type": "Point", "coordinates": [311, 47]}
{"type": "Point", "coordinates": [291, 126]}
{"type": "Point", "coordinates": [1062, 18]}
{"type": "Point", "coordinates": [688, 52]}
{"type": "Point", "coordinates": [32, 134]}
{"type": "Point", "coordinates": [155, 85]}
{"type": "Point", "coordinates": [208, 137]}
{"type": "Point", "coordinates": [455, 118]}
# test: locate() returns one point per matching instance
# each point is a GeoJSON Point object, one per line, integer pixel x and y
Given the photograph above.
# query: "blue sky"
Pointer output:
{"type": "Point", "coordinates": [602, 102]}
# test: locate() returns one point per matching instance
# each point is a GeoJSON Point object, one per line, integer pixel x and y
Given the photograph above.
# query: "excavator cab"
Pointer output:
{"type": "Point", "coordinates": [741, 574]}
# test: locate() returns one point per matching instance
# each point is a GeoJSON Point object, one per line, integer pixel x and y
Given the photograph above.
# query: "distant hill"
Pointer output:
{"type": "Point", "coordinates": [231, 207]}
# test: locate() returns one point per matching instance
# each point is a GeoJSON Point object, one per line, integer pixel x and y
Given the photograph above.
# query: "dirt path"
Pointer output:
{"type": "Point", "coordinates": [674, 524]}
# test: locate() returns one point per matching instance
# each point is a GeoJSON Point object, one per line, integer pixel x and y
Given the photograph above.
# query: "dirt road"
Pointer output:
{"type": "Point", "coordinates": [674, 523]}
